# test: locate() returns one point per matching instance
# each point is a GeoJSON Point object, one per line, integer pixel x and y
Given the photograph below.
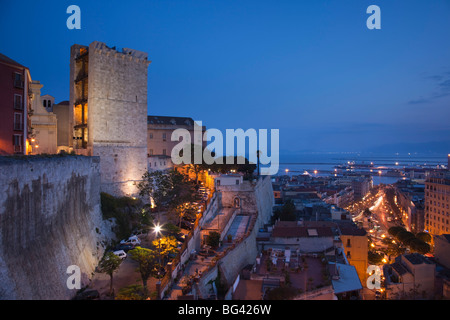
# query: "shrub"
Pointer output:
{"type": "Point", "coordinates": [212, 239]}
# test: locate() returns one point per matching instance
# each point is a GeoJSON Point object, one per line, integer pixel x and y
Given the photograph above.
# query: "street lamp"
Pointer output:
{"type": "Point", "coordinates": [157, 230]}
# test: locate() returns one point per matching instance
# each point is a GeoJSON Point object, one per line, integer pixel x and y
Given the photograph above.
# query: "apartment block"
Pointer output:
{"type": "Point", "coordinates": [15, 107]}
{"type": "Point", "coordinates": [437, 203]}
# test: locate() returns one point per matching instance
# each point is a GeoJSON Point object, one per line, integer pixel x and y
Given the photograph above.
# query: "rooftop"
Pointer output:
{"type": "Point", "coordinates": [8, 60]}
{"type": "Point", "coordinates": [287, 229]}
{"type": "Point", "coordinates": [416, 258]}
{"type": "Point", "coordinates": [345, 279]}
{"type": "Point", "coordinates": [175, 121]}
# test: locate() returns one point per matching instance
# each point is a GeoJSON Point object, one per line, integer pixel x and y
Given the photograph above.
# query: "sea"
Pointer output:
{"type": "Point", "coordinates": [324, 164]}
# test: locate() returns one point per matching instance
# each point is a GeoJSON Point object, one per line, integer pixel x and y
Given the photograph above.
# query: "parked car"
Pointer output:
{"type": "Point", "coordinates": [180, 237]}
{"type": "Point", "coordinates": [133, 240]}
{"type": "Point", "coordinates": [124, 247]}
{"type": "Point", "coordinates": [140, 232]}
{"type": "Point", "coordinates": [121, 254]}
{"type": "Point", "coordinates": [186, 225]}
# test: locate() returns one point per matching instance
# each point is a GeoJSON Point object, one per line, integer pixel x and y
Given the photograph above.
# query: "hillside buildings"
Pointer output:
{"type": "Point", "coordinates": [108, 99]}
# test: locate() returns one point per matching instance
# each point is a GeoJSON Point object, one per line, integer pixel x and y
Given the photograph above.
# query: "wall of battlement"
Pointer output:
{"type": "Point", "coordinates": [50, 218]}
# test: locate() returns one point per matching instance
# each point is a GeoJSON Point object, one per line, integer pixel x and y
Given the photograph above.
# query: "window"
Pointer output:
{"type": "Point", "coordinates": [151, 152]}
{"type": "Point", "coordinates": [164, 151]}
{"type": "Point", "coordinates": [237, 182]}
{"type": "Point", "coordinates": [17, 142]}
{"type": "Point", "coordinates": [44, 102]}
{"type": "Point", "coordinates": [348, 243]}
{"type": "Point", "coordinates": [151, 136]}
{"type": "Point", "coordinates": [18, 80]}
{"type": "Point", "coordinates": [18, 124]}
{"type": "Point", "coordinates": [164, 136]}
{"type": "Point", "coordinates": [18, 104]}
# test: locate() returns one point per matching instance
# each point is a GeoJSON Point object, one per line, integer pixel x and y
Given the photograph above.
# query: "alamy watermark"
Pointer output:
{"type": "Point", "coordinates": [258, 149]}
{"type": "Point", "coordinates": [74, 279]}
{"type": "Point", "coordinates": [74, 20]}
{"type": "Point", "coordinates": [374, 279]}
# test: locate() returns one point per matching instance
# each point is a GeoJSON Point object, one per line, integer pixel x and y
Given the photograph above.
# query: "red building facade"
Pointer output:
{"type": "Point", "coordinates": [15, 107]}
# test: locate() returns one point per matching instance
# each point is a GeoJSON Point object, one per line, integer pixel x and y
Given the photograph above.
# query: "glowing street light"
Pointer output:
{"type": "Point", "coordinates": [157, 229]}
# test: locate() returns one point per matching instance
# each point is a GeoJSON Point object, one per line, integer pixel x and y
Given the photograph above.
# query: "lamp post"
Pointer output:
{"type": "Point", "coordinates": [157, 231]}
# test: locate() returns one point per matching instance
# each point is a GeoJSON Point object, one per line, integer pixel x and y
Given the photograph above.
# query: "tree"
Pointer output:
{"type": "Point", "coordinates": [374, 257]}
{"type": "Point", "coordinates": [225, 164]}
{"type": "Point", "coordinates": [288, 211]}
{"type": "Point", "coordinates": [393, 231]}
{"type": "Point", "coordinates": [148, 263]}
{"type": "Point", "coordinates": [424, 236]}
{"type": "Point", "coordinates": [166, 188]}
{"type": "Point", "coordinates": [405, 237]}
{"type": "Point", "coordinates": [212, 239]}
{"type": "Point", "coordinates": [419, 246]}
{"type": "Point", "coordinates": [132, 292]}
{"type": "Point", "coordinates": [109, 264]}
{"type": "Point", "coordinates": [183, 210]}
{"type": "Point", "coordinates": [165, 246]}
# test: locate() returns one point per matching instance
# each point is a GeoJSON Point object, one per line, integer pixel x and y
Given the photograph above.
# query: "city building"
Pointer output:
{"type": "Point", "coordinates": [410, 198]}
{"type": "Point", "coordinates": [43, 122]}
{"type": "Point", "coordinates": [354, 241]}
{"type": "Point", "coordinates": [339, 196]}
{"type": "Point", "coordinates": [437, 203]}
{"type": "Point", "coordinates": [64, 131]}
{"type": "Point", "coordinates": [159, 138]}
{"type": "Point", "coordinates": [47, 102]}
{"type": "Point", "coordinates": [361, 184]}
{"type": "Point", "coordinates": [411, 276]}
{"type": "Point", "coordinates": [442, 249]}
{"type": "Point", "coordinates": [15, 107]}
{"type": "Point", "coordinates": [307, 239]}
{"type": "Point", "coordinates": [108, 99]}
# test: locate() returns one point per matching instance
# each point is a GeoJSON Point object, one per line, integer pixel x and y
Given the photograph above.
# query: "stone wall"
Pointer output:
{"type": "Point", "coordinates": [50, 218]}
{"type": "Point", "coordinates": [257, 199]}
{"type": "Point", "coordinates": [117, 122]}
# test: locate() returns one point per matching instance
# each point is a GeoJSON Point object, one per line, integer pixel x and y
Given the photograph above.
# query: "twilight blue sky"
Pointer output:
{"type": "Point", "coordinates": [311, 68]}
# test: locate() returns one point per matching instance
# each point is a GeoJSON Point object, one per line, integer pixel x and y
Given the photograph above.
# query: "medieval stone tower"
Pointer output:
{"type": "Point", "coordinates": [108, 98]}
